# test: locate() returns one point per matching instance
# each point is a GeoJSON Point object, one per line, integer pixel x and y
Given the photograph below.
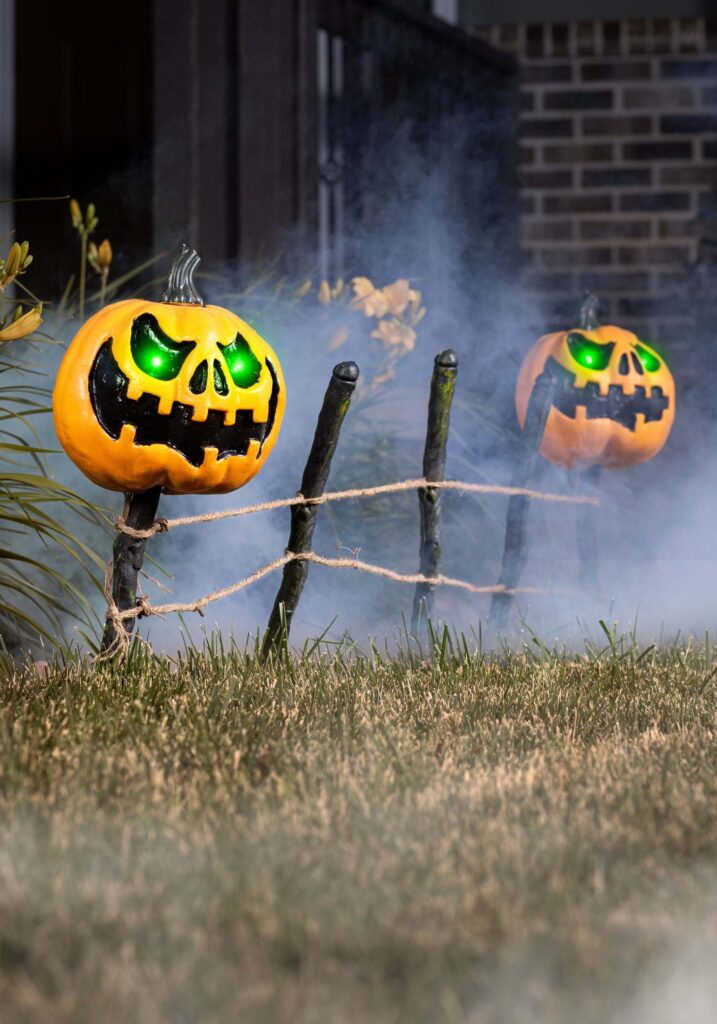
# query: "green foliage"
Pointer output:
{"type": "Point", "coordinates": [354, 839]}
{"type": "Point", "coordinates": [37, 583]}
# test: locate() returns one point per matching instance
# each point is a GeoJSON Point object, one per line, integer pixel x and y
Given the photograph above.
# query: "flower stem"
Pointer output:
{"type": "Point", "coordinates": [83, 271]}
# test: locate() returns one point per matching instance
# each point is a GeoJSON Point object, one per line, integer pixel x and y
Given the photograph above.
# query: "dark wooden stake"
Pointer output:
{"type": "Point", "coordinates": [515, 551]}
{"type": "Point", "coordinates": [443, 386]}
{"type": "Point", "coordinates": [303, 517]}
{"type": "Point", "coordinates": [128, 556]}
{"type": "Point", "coordinates": [587, 481]}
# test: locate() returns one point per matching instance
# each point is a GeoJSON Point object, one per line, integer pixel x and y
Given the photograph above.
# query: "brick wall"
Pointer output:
{"type": "Point", "coordinates": [618, 160]}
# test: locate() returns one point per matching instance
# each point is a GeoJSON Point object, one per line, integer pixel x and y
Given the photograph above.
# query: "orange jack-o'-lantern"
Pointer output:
{"type": "Point", "coordinates": [173, 394]}
{"type": "Point", "coordinates": [613, 397]}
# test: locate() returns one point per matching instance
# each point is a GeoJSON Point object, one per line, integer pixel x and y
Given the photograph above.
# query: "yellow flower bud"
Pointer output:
{"type": "Point", "coordinates": [75, 213]}
{"type": "Point", "coordinates": [22, 326]}
{"type": "Point", "coordinates": [303, 289]}
{"type": "Point", "coordinates": [12, 263]}
{"type": "Point", "coordinates": [104, 253]}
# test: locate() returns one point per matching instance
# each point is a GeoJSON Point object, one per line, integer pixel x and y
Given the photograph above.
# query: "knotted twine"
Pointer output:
{"type": "Point", "coordinates": [143, 606]}
{"type": "Point", "coordinates": [164, 525]}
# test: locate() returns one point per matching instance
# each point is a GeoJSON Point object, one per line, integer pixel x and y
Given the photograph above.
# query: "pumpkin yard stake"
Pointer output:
{"type": "Point", "coordinates": [586, 481]}
{"type": "Point", "coordinates": [303, 517]}
{"type": "Point", "coordinates": [172, 396]}
{"type": "Point", "coordinates": [443, 385]}
{"type": "Point", "coordinates": [128, 558]}
{"type": "Point", "coordinates": [589, 398]}
{"type": "Point", "coordinates": [515, 547]}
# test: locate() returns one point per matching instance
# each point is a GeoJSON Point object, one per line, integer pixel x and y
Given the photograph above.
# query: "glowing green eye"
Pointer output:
{"type": "Point", "coordinates": [648, 359]}
{"type": "Point", "coordinates": [590, 354]}
{"type": "Point", "coordinates": [244, 367]}
{"type": "Point", "coordinates": [154, 352]}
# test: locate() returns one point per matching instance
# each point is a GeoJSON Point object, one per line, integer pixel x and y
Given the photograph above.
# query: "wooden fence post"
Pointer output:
{"type": "Point", "coordinates": [587, 481]}
{"type": "Point", "coordinates": [127, 559]}
{"type": "Point", "coordinates": [515, 550]}
{"type": "Point", "coordinates": [443, 386]}
{"type": "Point", "coordinates": [303, 517]}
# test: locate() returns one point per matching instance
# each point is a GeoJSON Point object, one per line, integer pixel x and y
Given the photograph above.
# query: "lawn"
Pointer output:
{"type": "Point", "coordinates": [531, 837]}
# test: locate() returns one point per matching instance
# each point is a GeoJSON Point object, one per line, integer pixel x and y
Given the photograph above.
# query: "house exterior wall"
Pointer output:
{"type": "Point", "coordinates": [618, 162]}
{"type": "Point", "coordinates": [236, 134]}
{"type": "Point", "coordinates": [7, 117]}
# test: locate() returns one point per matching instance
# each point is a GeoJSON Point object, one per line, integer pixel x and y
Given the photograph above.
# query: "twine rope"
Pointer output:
{"type": "Point", "coordinates": [144, 607]}
{"type": "Point", "coordinates": [163, 525]}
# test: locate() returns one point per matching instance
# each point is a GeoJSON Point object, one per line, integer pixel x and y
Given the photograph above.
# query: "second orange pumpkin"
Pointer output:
{"type": "Point", "coordinates": [614, 398]}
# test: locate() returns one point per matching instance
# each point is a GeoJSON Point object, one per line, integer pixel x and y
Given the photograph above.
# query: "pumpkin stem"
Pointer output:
{"type": "Point", "coordinates": [180, 285]}
{"type": "Point", "coordinates": [588, 312]}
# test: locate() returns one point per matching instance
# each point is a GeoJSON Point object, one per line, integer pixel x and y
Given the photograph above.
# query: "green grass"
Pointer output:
{"type": "Point", "coordinates": [530, 838]}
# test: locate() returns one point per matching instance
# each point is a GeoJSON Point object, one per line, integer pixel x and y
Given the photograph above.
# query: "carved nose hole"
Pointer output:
{"type": "Point", "coordinates": [198, 383]}
{"type": "Point", "coordinates": [623, 366]}
{"type": "Point", "coordinates": [637, 364]}
{"type": "Point", "coordinates": [220, 382]}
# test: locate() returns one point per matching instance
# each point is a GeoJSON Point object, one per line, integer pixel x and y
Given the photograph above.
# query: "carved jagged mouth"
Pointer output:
{"type": "Point", "coordinates": [108, 394]}
{"type": "Point", "coordinates": [616, 405]}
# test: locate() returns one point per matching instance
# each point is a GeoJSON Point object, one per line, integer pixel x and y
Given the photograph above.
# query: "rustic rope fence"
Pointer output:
{"type": "Point", "coordinates": [162, 525]}
{"type": "Point", "coordinates": [137, 523]}
{"type": "Point", "coordinates": [144, 607]}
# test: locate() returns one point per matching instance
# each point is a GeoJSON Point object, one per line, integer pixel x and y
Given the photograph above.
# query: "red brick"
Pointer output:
{"type": "Point", "coordinates": [678, 228]}
{"type": "Point", "coordinates": [586, 38]}
{"type": "Point", "coordinates": [666, 305]}
{"type": "Point", "coordinates": [637, 36]}
{"type": "Point", "coordinates": [551, 128]}
{"type": "Point", "coordinates": [617, 177]}
{"type": "Point", "coordinates": [709, 96]}
{"type": "Point", "coordinates": [578, 204]}
{"type": "Point", "coordinates": [598, 230]}
{"type": "Point", "coordinates": [560, 40]}
{"type": "Point", "coordinates": [548, 230]}
{"type": "Point", "coordinates": [660, 97]}
{"type": "Point", "coordinates": [540, 72]}
{"type": "Point", "coordinates": [576, 257]}
{"type": "Point", "coordinates": [657, 150]}
{"type": "Point", "coordinates": [577, 153]}
{"type": "Point", "coordinates": [526, 155]}
{"type": "Point", "coordinates": [611, 36]}
{"type": "Point", "coordinates": [689, 175]}
{"type": "Point", "coordinates": [709, 150]}
{"type": "Point", "coordinates": [615, 282]}
{"type": "Point", "coordinates": [689, 68]}
{"type": "Point", "coordinates": [661, 35]}
{"type": "Point", "coordinates": [534, 41]}
{"type": "Point", "coordinates": [617, 125]}
{"type": "Point", "coordinates": [690, 124]}
{"type": "Point", "coordinates": [654, 202]}
{"type": "Point", "coordinates": [546, 179]}
{"type": "Point", "coordinates": [651, 254]}
{"type": "Point", "coordinates": [528, 204]}
{"type": "Point", "coordinates": [579, 99]}
{"type": "Point", "coordinates": [706, 203]}
{"type": "Point", "coordinates": [616, 71]}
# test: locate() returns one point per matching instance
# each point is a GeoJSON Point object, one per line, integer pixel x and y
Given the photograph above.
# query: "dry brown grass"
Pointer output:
{"type": "Point", "coordinates": [509, 840]}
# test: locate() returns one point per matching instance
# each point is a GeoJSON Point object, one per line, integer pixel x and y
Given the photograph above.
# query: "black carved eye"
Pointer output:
{"type": "Point", "coordinates": [154, 352]}
{"type": "Point", "coordinates": [244, 367]}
